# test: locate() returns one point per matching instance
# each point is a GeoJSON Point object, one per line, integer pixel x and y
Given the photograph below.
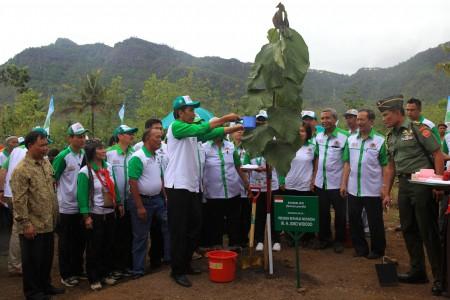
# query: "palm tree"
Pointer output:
{"type": "Point", "coordinates": [92, 96]}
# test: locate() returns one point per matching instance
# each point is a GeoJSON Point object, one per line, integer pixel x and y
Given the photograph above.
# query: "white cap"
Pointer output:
{"type": "Point", "coordinates": [308, 113]}
{"type": "Point", "coordinates": [351, 112]}
{"type": "Point", "coordinates": [262, 113]}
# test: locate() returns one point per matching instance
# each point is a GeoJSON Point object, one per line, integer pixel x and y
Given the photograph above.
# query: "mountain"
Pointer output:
{"type": "Point", "coordinates": [135, 60]}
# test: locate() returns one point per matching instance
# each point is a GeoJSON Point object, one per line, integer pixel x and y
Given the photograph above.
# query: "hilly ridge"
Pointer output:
{"type": "Point", "coordinates": [134, 59]}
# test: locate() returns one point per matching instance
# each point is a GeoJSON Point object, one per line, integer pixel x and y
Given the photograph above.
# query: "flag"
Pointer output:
{"type": "Point", "coordinates": [51, 109]}
{"type": "Point", "coordinates": [122, 113]}
{"type": "Point", "coordinates": [447, 114]}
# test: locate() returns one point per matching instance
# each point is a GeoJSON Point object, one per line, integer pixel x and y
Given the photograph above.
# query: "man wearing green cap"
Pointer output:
{"type": "Point", "coordinates": [412, 146]}
{"type": "Point", "coordinates": [182, 183]}
{"type": "Point", "coordinates": [71, 243]}
{"type": "Point", "coordinates": [118, 156]}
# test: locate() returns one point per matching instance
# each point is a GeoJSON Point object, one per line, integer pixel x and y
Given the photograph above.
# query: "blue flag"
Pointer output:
{"type": "Point", "coordinates": [122, 113]}
{"type": "Point", "coordinates": [51, 109]}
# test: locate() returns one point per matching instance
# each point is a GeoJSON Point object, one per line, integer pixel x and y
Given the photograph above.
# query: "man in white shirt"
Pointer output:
{"type": "Point", "coordinates": [182, 183]}
{"type": "Point", "coordinates": [365, 157]}
{"type": "Point", "coordinates": [327, 180]}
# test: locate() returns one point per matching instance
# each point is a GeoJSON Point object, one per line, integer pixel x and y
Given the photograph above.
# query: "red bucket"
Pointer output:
{"type": "Point", "coordinates": [222, 265]}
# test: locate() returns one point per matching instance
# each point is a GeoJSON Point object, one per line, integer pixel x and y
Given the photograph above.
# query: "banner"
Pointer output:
{"type": "Point", "coordinates": [122, 113]}
{"type": "Point", "coordinates": [51, 109]}
{"type": "Point", "coordinates": [447, 114]}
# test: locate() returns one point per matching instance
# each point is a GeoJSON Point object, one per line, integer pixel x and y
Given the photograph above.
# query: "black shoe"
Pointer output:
{"type": "Point", "coordinates": [373, 255]}
{"type": "Point", "coordinates": [417, 278]}
{"type": "Point", "coordinates": [182, 280]}
{"type": "Point", "coordinates": [437, 289]}
{"type": "Point", "coordinates": [338, 248]}
{"type": "Point", "coordinates": [54, 291]}
{"type": "Point", "coordinates": [320, 245]}
{"type": "Point", "coordinates": [193, 271]}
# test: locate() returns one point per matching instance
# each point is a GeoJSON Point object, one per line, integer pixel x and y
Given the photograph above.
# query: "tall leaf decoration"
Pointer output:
{"type": "Point", "coordinates": [275, 83]}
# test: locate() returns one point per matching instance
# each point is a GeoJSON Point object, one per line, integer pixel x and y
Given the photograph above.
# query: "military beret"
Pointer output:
{"type": "Point", "coordinates": [390, 103]}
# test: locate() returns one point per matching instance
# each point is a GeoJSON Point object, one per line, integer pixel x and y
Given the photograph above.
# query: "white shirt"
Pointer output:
{"type": "Point", "coordinates": [149, 181]}
{"type": "Point", "coordinates": [366, 158]}
{"type": "Point", "coordinates": [161, 153]}
{"type": "Point", "coordinates": [119, 162]}
{"type": "Point", "coordinates": [183, 168]}
{"type": "Point", "coordinates": [221, 179]}
{"type": "Point", "coordinates": [300, 174]}
{"type": "Point", "coordinates": [66, 189]}
{"type": "Point", "coordinates": [329, 150]}
{"type": "Point", "coordinates": [15, 158]}
{"type": "Point", "coordinates": [98, 192]}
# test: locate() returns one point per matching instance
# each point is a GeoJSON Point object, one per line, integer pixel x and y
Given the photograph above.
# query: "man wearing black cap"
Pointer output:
{"type": "Point", "coordinates": [412, 146]}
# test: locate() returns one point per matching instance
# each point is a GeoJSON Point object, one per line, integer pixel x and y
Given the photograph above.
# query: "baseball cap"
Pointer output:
{"type": "Point", "coordinates": [308, 114]}
{"type": "Point", "coordinates": [181, 101]}
{"type": "Point", "coordinates": [262, 114]}
{"type": "Point", "coordinates": [351, 112]}
{"type": "Point", "coordinates": [76, 129]}
{"type": "Point", "coordinates": [124, 129]}
{"type": "Point", "coordinates": [43, 131]}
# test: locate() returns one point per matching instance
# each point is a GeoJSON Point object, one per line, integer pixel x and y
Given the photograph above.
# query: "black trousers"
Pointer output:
{"type": "Point", "coordinates": [328, 198]}
{"type": "Point", "coordinates": [71, 245]}
{"type": "Point", "coordinates": [246, 212]}
{"type": "Point", "coordinates": [224, 216]}
{"type": "Point", "coordinates": [37, 258]}
{"type": "Point", "coordinates": [123, 238]}
{"type": "Point", "coordinates": [374, 210]}
{"type": "Point", "coordinates": [446, 254]}
{"type": "Point", "coordinates": [260, 221]}
{"type": "Point", "coordinates": [185, 221]}
{"type": "Point", "coordinates": [100, 241]}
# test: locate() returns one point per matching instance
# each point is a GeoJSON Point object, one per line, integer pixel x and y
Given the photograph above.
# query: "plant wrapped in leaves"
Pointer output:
{"type": "Point", "coordinates": [275, 84]}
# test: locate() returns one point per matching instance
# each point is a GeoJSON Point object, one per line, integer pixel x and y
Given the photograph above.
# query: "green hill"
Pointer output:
{"type": "Point", "coordinates": [65, 62]}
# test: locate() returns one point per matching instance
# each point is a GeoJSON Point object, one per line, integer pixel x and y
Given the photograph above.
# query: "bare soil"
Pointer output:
{"type": "Point", "coordinates": [324, 275]}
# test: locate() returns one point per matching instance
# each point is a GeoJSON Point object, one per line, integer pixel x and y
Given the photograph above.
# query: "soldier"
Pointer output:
{"type": "Point", "coordinates": [411, 147]}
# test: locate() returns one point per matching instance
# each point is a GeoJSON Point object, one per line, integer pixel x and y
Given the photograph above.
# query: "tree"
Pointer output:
{"type": "Point", "coordinates": [353, 99]}
{"type": "Point", "coordinates": [15, 76]}
{"type": "Point", "coordinates": [92, 97]}
{"type": "Point", "coordinates": [275, 83]}
{"type": "Point", "coordinates": [28, 111]}
{"type": "Point", "coordinates": [444, 66]}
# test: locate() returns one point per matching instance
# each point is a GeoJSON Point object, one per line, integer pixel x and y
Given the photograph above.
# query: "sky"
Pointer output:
{"type": "Point", "coordinates": [342, 35]}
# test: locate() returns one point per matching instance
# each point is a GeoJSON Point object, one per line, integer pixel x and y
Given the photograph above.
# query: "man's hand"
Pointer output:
{"type": "Point", "coordinates": [387, 201]}
{"type": "Point", "coordinates": [29, 232]}
{"type": "Point", "coordinates": [312, 186]}
{"type": "Point", "coordinates": [88, 223]}
{"type": "Point", "coordinates": [121, 211]}
{"type": "Point", "coordinates": [142, 213]}
{"type": "Point", "coordinates": [343, 191]}
{"type": "Point", "coordinates": [231, 117]}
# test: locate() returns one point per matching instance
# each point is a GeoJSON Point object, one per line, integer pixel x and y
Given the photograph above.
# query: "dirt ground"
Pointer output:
{"type": "Point", "coordinates": [324, 275]}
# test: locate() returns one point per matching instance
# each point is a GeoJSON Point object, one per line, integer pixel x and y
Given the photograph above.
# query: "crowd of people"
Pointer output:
{"type": "Point", "coordinates": [184, 188]}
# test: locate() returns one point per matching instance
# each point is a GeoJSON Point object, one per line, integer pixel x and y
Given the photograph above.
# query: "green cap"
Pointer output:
{"type": "Point", "coordinates": [181, 101]}
{"type": "Point", "coordinates": [44, 132]}
{"type": "Point", "coordinates": [122, 129]}
{"type": "Point", "coordinates": [76, 129]}
{"type": "Point", "coordinates": [390, 103]}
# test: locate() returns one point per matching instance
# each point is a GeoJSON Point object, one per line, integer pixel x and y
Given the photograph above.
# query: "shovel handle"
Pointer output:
{"type": "Point", "coordinates": [255, 195]}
